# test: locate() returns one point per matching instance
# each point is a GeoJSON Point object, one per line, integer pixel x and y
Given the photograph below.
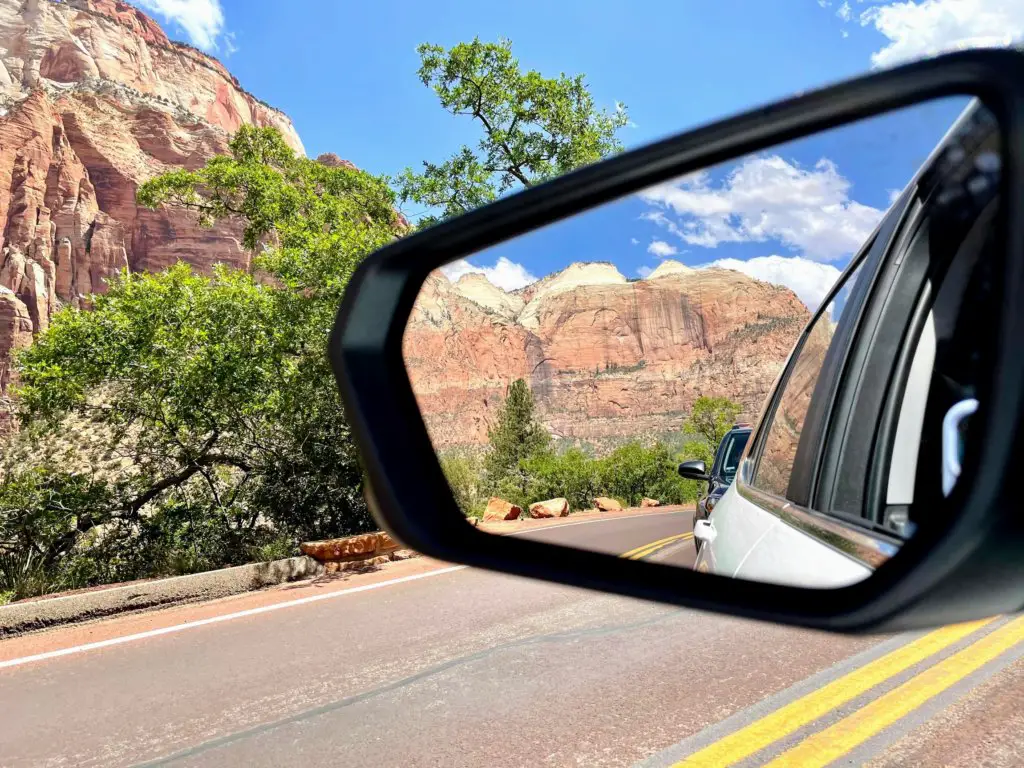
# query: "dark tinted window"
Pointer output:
{"type": "Point", "coordinates": [732, 449]}
{"type": "Point", "coordinates": [783, 436]}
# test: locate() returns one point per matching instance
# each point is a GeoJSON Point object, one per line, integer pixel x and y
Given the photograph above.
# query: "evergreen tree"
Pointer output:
{"type": "Point", "coordinates": [515, 436]}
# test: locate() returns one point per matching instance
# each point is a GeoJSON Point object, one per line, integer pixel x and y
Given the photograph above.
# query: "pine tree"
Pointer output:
{"type": "Point", "coordinates": [515, 436]}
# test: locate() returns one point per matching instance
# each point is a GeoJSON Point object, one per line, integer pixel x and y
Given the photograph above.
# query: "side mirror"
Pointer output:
{"type": "Point", "coordinates": [694, 469]}
{"type": "Point", "coordinates": [579, 372]}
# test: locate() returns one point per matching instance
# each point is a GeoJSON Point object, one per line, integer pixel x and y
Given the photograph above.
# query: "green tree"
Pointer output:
{"type": "Point", "coordinates": [633, 471]}
{"type": "Point", "coordinates": [534, 128]}
{"type": "Point", "coordinates": [572, 475]}
{"type": "Point", "coordinates": [515, 435]}
{"type": "Point", "coordinates": [214, 392]}
{"type": "Point", "coordinates": [711, 417]}
{"type": "Point", "coordinates": [465, 475]}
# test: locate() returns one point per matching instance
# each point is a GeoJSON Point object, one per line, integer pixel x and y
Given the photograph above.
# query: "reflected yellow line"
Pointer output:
{"type": "Point", "coordinates": [652, 547]}
{"type": "Point", "coordinates": [852, 731]}
{"type": "Point", "coordinates": [795, 715]}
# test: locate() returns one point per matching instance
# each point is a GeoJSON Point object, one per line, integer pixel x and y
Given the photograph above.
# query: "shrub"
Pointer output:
{"type": "Point", "coordinates": [633, 471]}
{"type": "Point", "coordinates": [572, 475]}
{"type": "Point", "coordinates": [464, 476]}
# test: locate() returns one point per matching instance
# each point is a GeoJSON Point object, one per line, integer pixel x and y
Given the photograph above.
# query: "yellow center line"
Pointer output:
{"type": "Point", "coordinates": [842, 737]}
{"type": "Point", "coordinates": [795, 715]}
{"type": "Point", "coordinates": [647, 549]}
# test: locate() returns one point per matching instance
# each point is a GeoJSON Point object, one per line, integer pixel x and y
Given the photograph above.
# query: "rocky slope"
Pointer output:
{"type": "Point", "coordinates": [94, 100]}
{"type": "Point", "coordinates": [606, 358]}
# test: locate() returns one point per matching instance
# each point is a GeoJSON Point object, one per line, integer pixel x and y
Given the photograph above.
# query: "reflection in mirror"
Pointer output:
{"type": "Point", "coordinates": [651, 368]}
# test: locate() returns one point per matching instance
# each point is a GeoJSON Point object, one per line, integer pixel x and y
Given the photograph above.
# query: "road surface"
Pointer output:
{"type": "Point", "coordinates": [423, 664]}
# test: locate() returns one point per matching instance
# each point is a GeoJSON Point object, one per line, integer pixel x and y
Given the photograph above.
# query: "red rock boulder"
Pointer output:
{"type": "Point", "coordinates": [650, 502]}
{"type": "Point", "coordinates": [605, 504]}
{"type": "Point", "coordinates": [499, 509]}
{"type": "Point", "coordinates": [550, 508]}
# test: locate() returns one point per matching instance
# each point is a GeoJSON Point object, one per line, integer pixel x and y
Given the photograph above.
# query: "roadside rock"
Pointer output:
{"type": "Point", "coordinates": [499, 509]}
{"type": "Point", "coordinates": [650, 502]}
{"type": "Point", "coordinates": [349, 548]}
{"type": "Point", "coordinates": [550, 508]}
{"type": "Point", "coordinates": [604, 504]}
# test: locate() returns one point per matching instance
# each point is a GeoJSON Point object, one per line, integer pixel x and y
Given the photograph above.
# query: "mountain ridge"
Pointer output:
{"type": "Point", "coordinates": [605, 361]}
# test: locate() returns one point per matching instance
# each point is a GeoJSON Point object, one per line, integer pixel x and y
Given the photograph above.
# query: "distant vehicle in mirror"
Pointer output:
{"type": "Point", "coordinates": [723, 471]}
{"type": "Point", "coordinates": [788, 520]}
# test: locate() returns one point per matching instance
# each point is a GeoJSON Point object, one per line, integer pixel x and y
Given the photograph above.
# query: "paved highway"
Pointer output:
{"type": "Point", "coordinates": [423, 664]}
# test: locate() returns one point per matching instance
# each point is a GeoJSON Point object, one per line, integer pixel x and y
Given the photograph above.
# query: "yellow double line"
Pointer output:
{"type": "Point", "coordinates": [842, 737]}
{"type": "Point", "coordinates": [649, 549]}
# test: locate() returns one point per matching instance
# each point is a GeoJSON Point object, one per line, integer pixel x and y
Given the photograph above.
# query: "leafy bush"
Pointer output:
{"type": "Point", "coordinates": [572, 475]}
{"type": "Point", "coordinates": [465, 477]}
{"type": "Point", "coordinates": [633, 471]}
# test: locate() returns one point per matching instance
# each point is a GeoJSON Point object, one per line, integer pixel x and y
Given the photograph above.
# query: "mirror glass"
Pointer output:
{"type": "Point", "coordinates": [744, 370]}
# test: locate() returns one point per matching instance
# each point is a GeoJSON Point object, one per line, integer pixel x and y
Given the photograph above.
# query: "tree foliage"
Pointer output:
{"type": "Point", "coordinates": [210, 395]}
{"type": "Point", "coordinates": [711, 417]}
{"type": "Point", "coordinates": [709, 420]}
{"type": "Point", "coordinates": [515, 435]}
{"type": "Point", "coordinates": [533, 127]}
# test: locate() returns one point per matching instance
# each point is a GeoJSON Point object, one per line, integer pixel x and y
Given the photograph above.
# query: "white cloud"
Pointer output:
{"type": "Point", "coordinates": [824, 3]}
{"type": "Point", "coordinates": [661, 249]}
{"type": "Point", "coordinates": [507, 275]}
{"type": "Point", "coordinates": [202, 20]}
{"type": "Point", "coordinates": [767, 198]}
{"type": "Point", "coordinates": [230, 46]}
{"type": "Point", "coordinates": [634, 241]}
{"type": "Point", "coordinates": [809, 280]}
{"type": "Point", "coordinates": [644, 271]}
{"type": "Point", "coordinates": [845, 12]}
{"type": "Point", "coordinates": [844, 33]}
{"type": "Point", "coordinates": [894, 195]}
{"type": "Point", "coordinates": [917, 29]}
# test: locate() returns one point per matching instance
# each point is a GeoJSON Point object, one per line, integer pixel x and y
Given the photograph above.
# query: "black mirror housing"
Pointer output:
{"type": "Point", "coordinates": [694, 469]}
{"type": "Point", "coordinates": [967, 563]}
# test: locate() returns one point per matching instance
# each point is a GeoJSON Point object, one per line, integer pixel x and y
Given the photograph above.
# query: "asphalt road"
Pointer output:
{"type": "Point", "coordinates": [426, 665]}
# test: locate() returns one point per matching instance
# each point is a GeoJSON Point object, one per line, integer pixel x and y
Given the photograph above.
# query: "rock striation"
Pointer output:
{"type": "Point", "coordinates": [94, 100]}
{"type": "Point", "coordinates": [606, 358]}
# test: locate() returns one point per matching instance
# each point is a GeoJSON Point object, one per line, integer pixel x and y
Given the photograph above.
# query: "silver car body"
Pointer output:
{"type": "Point", "coordinates": [774, 541]}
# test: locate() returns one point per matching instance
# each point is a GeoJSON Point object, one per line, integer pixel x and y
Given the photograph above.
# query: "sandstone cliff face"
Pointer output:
{"type": "Point", "coordinates": [605, 358]}
{"type": "Point", "coordinates": [95, 100]}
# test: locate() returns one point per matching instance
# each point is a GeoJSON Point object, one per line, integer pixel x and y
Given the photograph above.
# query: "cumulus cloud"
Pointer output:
{"type": "Point", "coordinates": [202, 20]}
{"type": "Point", "coordinates": [845, 12]}
{"type": "Point", "coordinates": [504, 273]}
{"type": "Point", "coordinates": [644, 271]}
{"type": "Point", "coordinates": [916, 29]}
{"type": "Point", "coordinates": [766, 198]}
{"type": "Point", "coordinates": [661, 249]}
{"type": "Point", "coordinates": [809, 280]}
{"type": "Point", "coordinates": [634, 241]}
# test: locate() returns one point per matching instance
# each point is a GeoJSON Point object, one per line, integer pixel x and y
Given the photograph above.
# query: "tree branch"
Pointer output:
{"type": "Point", "coordinates": [516, 169]}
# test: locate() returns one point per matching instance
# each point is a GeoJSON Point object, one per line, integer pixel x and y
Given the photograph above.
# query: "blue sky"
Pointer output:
{"type": "Point", "coordinates": [346, 75]}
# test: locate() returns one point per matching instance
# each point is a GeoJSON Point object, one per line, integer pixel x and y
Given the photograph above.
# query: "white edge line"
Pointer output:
{"type": "Point", "coordinates": [217, 619]}
{"type": "Point", "coordinates": [289, 604]}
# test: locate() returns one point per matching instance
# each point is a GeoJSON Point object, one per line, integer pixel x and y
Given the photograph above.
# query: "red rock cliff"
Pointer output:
{"type": "Point", "coordinates": [94, 100]}
{"type": "Point", "coordinates": [605, 358]}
